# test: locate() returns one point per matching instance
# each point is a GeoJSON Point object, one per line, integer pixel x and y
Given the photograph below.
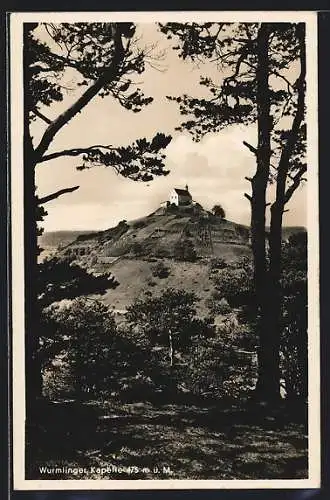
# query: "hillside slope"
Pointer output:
{"type": "Point", "coordinates": [157, 235]}
{"type": "Point", "coordinates": [131, 250]}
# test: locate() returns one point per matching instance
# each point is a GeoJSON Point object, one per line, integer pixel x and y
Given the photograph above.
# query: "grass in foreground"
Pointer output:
{"type": "Point", "coordinates": [113, 440]}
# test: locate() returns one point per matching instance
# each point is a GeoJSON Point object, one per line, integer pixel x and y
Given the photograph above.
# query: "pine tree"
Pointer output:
{"type": "Point", "coordinates": [104, 56]}
{"type": "Point", "coordinates": [256, 64]}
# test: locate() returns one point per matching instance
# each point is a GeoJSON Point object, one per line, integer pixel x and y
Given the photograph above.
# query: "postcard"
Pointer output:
{"type": "Point", "coordinates": [164, 226]}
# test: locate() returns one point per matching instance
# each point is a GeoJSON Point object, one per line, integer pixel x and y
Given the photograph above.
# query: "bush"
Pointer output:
{"type": "Point", "coordinates": [168, 319]}
{"type": "Point", "coordinates": [160, 270]}
{"type": "Point", "coordinates": [137, 249]}
{"type": "Point", "coordinates": [217, 304]}
{"type": "Point", "coordinates": [220, 367]}
{"type": "Point", "coordinates": [218, 263]}
{"type": "Point", "coordinates": [161, 252]}
{"type": "Point", "coordinates": [219, 211]}
{"type": "Point", "coordinates": [235, 284]}
{"type": "Point", "coordinates": [294, 338]}
{"type": "Point", "coordinates": [184, 250]}
{"type": "Point", "coordinates": [83, 334]}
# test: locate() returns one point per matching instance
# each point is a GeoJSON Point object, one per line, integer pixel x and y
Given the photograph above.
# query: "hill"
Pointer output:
{"type": "Point", "coordinates": [158, 235]}
{"type": "Point", "coordinates": [131, 250]}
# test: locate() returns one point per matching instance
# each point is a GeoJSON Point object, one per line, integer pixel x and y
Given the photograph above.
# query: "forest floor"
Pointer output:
{"type": "Point", "coordinates": [115, 440]}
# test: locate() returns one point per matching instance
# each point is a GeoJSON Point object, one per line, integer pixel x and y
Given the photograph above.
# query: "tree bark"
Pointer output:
{"type": "Point", "coordinates": [268, 375]}
{"type": "Point", "coordinates": [273, 306]}
{"type": "Point", "coordinates": [170, 341]}
{"type": "Point", "coordinates": [33, 374]}
{"type": "Point", "coordinates": [110, 74]}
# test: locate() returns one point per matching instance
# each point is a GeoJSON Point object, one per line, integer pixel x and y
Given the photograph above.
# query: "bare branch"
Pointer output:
{"type": "Point", "coordinates": [40, 115]}
{"type": "Point", "coordinates": [248, 197]}
{"type": "Point", "coordinates": [296, 180]}
{"type": "Point", "coordinates": [110, 74]}
{"type": "Point", "coordinates": [284, 163]}
{"type": "Point", "coordinates": [251, 148]}
{"type": "Point", "coordinates": [55, 195]}
{"type": "Point", "coordinates": [74, 152]}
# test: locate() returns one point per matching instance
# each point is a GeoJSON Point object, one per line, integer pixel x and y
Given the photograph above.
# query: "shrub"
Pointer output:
{"type": "Point", "coordinates": [184, 250]}
{"type": "Point", "coordinates": [160, 270]}
{"type": "Point", "coordinates": [161, 252]}
{"type": "Point", "coordinates": [137, 249]}
{"type": "Point", "coordinates": [294, 339]}
{"type": "Point", "coordinates": [219, 211]}
{"type": "Point", "coordinates": [218, 263]}
{"type": "Point", "coordinates": [83, 333]}
{"type": "Point", "coordinates": [220, 366]}
{"type": "Point", "coordinates": [168, 320]}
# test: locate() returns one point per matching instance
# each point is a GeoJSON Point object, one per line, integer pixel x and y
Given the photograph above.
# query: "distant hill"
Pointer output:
{"type": "Point", "coordinates": [287, 231]}
{"type": "Point", "coordinates": [55, 238]}
{"type": "Point", "coordinates": [50, 241]}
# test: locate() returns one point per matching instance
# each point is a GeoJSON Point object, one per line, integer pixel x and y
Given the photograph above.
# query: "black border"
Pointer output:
{"type": "Point", "coordinates": [324, 113]}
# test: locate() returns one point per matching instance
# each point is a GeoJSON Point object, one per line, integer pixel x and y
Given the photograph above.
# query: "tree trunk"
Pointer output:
{"type": "Point", "coordinates": [170, 342]}
{"type": "Point", "coordinates": [272, 314]}
{"type": "Point", "coordinates": [33, 373]}
{"type": "Point", "coordinates": [260, 179]}
{"type": "Point", "coordinates": [268, 384]}
{"type": "Point", "coordinates": [269, 368]}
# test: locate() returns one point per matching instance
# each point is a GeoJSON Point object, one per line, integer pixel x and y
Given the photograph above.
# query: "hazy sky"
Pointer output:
{"type": "Point", "coordinates": [214, 168]}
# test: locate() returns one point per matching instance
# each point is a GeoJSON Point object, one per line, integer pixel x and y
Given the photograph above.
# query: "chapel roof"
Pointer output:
{"type": "Point", "coordinates": [182, 192]}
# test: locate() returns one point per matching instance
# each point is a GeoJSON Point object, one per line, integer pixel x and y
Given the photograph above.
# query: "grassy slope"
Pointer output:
{"type": "Point", "coordinates": [195, 441]}
{"type": "Point", "coordinates": [135, 277]}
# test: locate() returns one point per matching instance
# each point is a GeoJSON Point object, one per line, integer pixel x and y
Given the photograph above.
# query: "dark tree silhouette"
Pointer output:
{"type": "Point", "coordinates": [255, 86]}
{"type": "Point", "coordinates": [219, 211]}
{"type": "Point", "coordinates": [103, 56]}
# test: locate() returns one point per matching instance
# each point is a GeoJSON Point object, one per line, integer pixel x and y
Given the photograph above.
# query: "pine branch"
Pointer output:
{"type": "Point", "coordinates": [288, 148]}
{"type": "Point", "coordinates": [109, 75]}
{"type": "Point", "coordinates": [296, 180]}
{"type": "Point", "coordinates": [251, 148]}
{"type": "Point", "coordinates": [53, 196]}
{"type": "Point", "coordinates": [43, 117]}
{"type": "Point", "coordinates": [74, 152]}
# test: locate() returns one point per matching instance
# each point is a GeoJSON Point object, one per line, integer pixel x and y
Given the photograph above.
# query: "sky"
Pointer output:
{"type": "Point", "coordinates": [214, 168]}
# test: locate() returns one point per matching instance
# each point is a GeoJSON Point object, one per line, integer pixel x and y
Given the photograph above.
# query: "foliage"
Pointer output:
{"type": "Point", "coordinates": [160, 270]}
{"type": "Point", "coordinates": [103, 56]}
{"type": "Point", "coordinates": [259, 85]}
{"type": "Point", "coordinates": [174, 311]}
{"type": "Point", "coordinates": [218, 304]}
{"type": "Point", "coordinates": [99, 60]}
{"type": "Point", "coordinates": [222, 366]}
{"type": "Point", "coordinates": [294, 341]}
{"type": "Point", "coordinates": [184, 250]}
{"type": "Point", "coordinates": [233, 47]}
{"type": "Point", "coordinates": [60, 278]}
{"type": "Point", "coordinates": [219, 211]}
{"type": "Point", "coordinates": [137, 248]}
{"type": "Point", "coordinates": [235, 283]}
{"type": "Point", "coordinates": [218, 263]}
{"type": "Point", "coordinates": [82, 332]}
{"type": "Point", "coordinates": [84, 354]}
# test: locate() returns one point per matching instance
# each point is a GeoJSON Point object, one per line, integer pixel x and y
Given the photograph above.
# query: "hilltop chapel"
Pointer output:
{"type": "Point", "coordinates": [180, 197]}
